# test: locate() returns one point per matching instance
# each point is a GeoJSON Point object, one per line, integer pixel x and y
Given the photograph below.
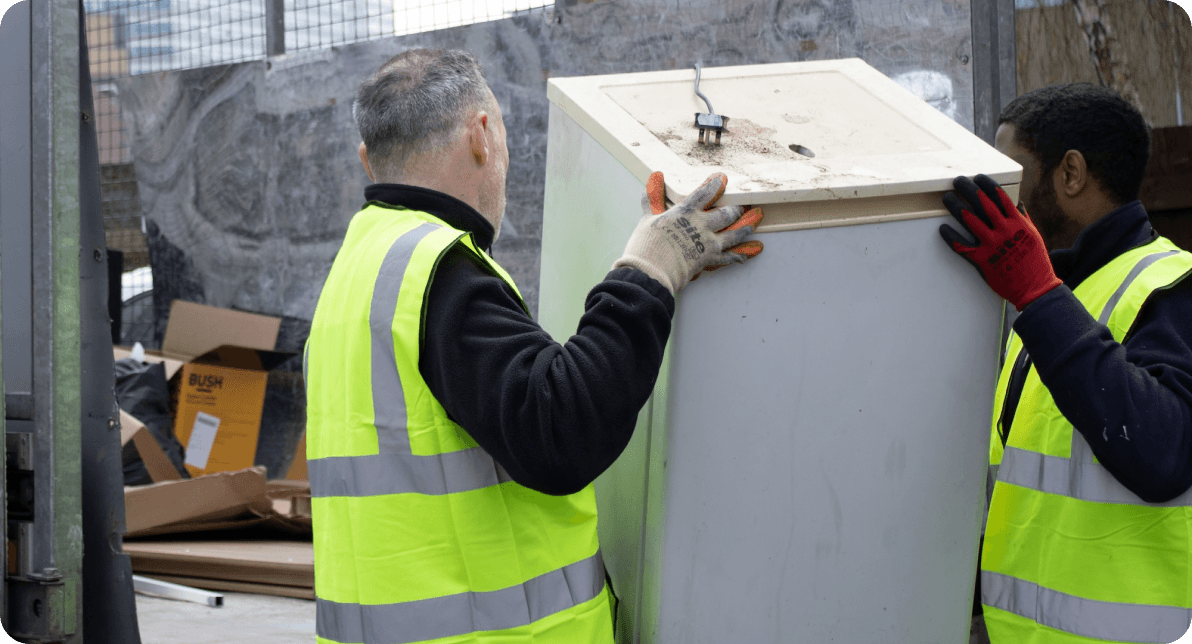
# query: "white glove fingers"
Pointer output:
{"type": "Point", "coordinates": [730, 238]}
{"type": "Point", "coordinates": [708, 193]}
{"type": "Point", "coordinates": [723, 259]}
{"type": "Point", "coordinates": [721, 218]}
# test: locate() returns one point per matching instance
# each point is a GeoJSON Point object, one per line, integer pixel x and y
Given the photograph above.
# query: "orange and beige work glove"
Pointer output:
{"type": "Point", "coordinates": [673, 246]}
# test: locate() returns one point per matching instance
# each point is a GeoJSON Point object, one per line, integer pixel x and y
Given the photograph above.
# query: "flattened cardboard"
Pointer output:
{"type": "Point", "coordinates": [279, 563]}
{"type": "Point", "coordinates": [151, 509]}
{"type": "Point", "coordinates": [156, 462]}
{"type": "Point", "coordinates": [291, 501]}
{"type": "Point", "coordinates": [244, 522]}
{"type": "Point", "coordinates": [220, 501]}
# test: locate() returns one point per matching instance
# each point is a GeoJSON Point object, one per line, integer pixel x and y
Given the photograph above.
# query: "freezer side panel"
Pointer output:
{"type": "Point", "coordinates": [591, 206]}
{"type": "Point", "coordinates": [828, 434]}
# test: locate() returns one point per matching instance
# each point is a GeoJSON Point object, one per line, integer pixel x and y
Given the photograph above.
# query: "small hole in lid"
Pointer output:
{"type": "Point", "coordinates": [795, 147]}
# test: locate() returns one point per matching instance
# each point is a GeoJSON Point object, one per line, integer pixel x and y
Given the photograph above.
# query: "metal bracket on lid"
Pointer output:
{"type": "Point", "coordinates": [711, 122]}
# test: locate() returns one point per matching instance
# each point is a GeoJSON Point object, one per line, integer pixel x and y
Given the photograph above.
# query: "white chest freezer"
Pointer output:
{"type": "Point", "coordinates": [811, 467]}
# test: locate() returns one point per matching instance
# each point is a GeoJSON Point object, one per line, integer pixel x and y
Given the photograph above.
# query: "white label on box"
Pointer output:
{"type": "Point", "coordinates": [202, 437]}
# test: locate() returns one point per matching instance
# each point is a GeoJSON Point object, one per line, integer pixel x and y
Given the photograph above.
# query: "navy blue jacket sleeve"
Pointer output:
{"type": "Point", "coordinates": [553, 415]}
{"type": "Point", "coordinates": [1132, 402]}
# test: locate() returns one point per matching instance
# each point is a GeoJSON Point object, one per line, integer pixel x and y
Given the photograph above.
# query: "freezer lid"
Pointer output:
{"type": "Point", "coordinates": [871, 139]}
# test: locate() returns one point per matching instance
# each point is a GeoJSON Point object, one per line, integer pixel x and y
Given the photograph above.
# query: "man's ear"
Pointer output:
{"type": "Point", "coordinates": [478, 136]}
{"type": "Point", "coordinates": [1072, 173]}
{"type": "Point", "coordinates": [364, 159]}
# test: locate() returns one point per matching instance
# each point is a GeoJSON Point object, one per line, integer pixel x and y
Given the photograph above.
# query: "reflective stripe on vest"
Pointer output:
{"type": "Point", "coordinates": [378, 474]}
{"type": "Point", "coordinates": [413, 527]}
{"type": "Point", "coordinates": [1085, 617]}
{"type": "Point", "coordinates": [1077, 478]}
{"type": "Point", "coordinates": [428, 619]}
{"type": "Point", "coordinates": [1062, 533]}
{"type": "Point", "coordinates": [1142, 265]}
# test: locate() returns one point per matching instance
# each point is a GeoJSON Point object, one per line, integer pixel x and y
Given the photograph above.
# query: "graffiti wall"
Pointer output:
{"type": "Point", "coordinates": [248, 173]}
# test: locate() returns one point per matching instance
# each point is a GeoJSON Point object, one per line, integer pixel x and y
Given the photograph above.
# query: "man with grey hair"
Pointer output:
{"type": "Point", "coordinates": [451, 442]}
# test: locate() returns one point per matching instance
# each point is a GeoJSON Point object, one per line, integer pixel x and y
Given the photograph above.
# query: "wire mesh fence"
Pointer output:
{"type": "Point", "coordinates": [140, 36]}
{"type": "Point", "coordinates": [129, 37]}
{"type": "Point", "coordinates": [312, 24]}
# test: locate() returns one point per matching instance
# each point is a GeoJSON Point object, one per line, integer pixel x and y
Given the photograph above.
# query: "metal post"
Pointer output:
{"type": "Point", "coordinates": [109, 614]}
{"type": "Point", "coordinates": [1179, 100]}
{"type": "Point", "coordinates": [50, 584]}
{"type": "Point", "coordinates": [14, 197]}
{"type": "Point", "coordinates": [275, 27]}
{"type": "Point", "coordinates": [995, 64]}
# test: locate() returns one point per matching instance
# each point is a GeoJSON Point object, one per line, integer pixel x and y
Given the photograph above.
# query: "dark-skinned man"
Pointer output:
{"type": "Point", "coordinates": [1089, 531]}
{"type": "Point", "coordinates": [452, 443]}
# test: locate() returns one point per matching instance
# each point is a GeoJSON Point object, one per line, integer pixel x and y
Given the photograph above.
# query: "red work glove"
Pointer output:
{"type": "Point", "coordinates": [656, 194]}
{"type": "Point", "coordinates": [1009, 252]}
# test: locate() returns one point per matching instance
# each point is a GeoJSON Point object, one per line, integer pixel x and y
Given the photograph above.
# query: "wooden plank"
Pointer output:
{"type": "Point", "coordinates": [282, 563]}
{"type": "Point", "coordinates": [1169, 171]}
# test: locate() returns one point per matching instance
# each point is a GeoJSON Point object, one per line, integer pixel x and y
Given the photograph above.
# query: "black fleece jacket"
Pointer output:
{"type": "Point", "coordinates": [1132, 402]}
{"type": "Point", "coordinates": [553, 415]}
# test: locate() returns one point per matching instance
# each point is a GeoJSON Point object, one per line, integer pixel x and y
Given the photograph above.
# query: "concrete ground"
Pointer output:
{"type": "Point", "coordinates": [243, 618]}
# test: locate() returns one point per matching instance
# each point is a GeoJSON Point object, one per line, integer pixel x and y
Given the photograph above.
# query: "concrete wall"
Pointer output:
{"type": "Point", "coordinates": [248, 173]}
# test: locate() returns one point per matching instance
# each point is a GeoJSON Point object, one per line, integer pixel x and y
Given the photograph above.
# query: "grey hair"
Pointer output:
{"type": "Point", "coordinates": [415, 102]}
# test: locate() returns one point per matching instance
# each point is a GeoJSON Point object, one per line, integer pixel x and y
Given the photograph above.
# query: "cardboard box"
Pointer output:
{"type": "Point", "coordinates": [156, 462]}
{"type": "Point", "coordinates": [172, 366]}
{"type": "Point", "coordinates": [194, 329]}
{"type": "Point", "coordinates": [221, 367]}
{"type": "Point", "coordinates": [218, 419]}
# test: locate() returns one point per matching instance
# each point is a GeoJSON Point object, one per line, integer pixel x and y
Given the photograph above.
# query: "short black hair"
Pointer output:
{"type": "Point", "coordinates": [1110, 132]}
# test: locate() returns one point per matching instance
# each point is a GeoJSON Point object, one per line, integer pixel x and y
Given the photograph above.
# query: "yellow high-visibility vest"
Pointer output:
{"type": "Point", "coordinates": [418, 534]}
{"type": "Point", "coordinates": [1070, 554]}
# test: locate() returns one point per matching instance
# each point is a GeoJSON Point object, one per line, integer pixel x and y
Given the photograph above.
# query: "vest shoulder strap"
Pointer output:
{"type": "Point", "coordinates": [1163, 266]}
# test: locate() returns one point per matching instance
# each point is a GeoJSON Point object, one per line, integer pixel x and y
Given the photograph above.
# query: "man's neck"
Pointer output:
{"type": "Point", "coordinates": [1090, 207]}
{"type": "Point", "coordinates": [447, 170]}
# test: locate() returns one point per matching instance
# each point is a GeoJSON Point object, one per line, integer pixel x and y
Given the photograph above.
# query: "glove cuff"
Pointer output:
{"type": "Point", "coordinates": [653, 271]}
{"type": "Point", "coordinates": [1036, 293]}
